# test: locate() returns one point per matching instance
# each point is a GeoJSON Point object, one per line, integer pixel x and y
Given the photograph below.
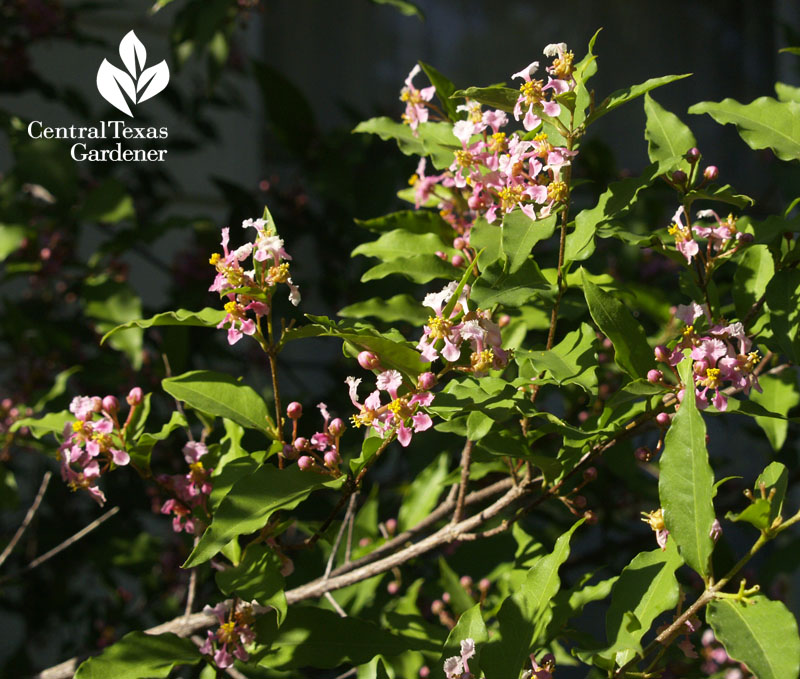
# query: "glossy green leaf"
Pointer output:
{"type": "Point", "coordinates": [779, 395]}
{"type": "Point", "coordinates": [487, 239]}
{"type": "Point", "coordinates": [417, 268]}
{"type": "Point", "coordinates": [495, 286]}
{"type": "Point", "coordinates": [763, 124]}
{"type": "Point", "coordinates": [495, 96]}
{"type": "Point", "coordinates": [667, 137]}
{"type": "Point", "coordinates": [775, 476]}
{"type": "Point", "coordinates": [257, 577]}
{"type": "Point", "coordinates": [312, 636]}
{"type": "Point", "coordinates": [422, 496]}
{"type": "Point", "coordinates": [434, 140]}
{"type": "Point", "coordinates": [720, 194]}
{"type": "Point", "coordinates": [626, 94]}
{"type": "Point", "coordinates": [762, 634]}
{"type": "Point", "coordinates": [140, 656]}
{"type": "Point", "coordinates": [756, 513]}
{"type": "Point", "coordinates": [252, 501]}
{"type": "Point", "coordinates": [646, 588]}
{"type": "Point", "coordinates": [571, 361]}
{"type": "Point", "coordinates": [686, 483]}
{"type": "Point", "coordinates": [402, 244]}
{"type": "Point", "coordinates": [51, 423]}
{"type": "Point", "coordinates": [460, 600]}
{"type": "Point", "coordinates": [208, 318]}
{"type": "Point", "coordinates": [58, 388]}
{"type": "Point", "coordinates": [520, 233]}
{"type": "Point", "coordinates": [398, 308]}
{"type": "Point", "coordinates": [402, 6]}
{"type": "Point", "coordinates": [753, 274]}
{"type": "Point", "coordinates": [444, 90]}
{"type": "Point", "coordinates": [786, 92]}
{"type": "Point", "coordinates": [632, 353]}
{"type": "Point", "coordinates": [470, 625]}
{"type": "Point", "coordinates": [524, 615]}
{"type": "Point", "coordinates": [140, 453]}
{"type": "Point", "coordinates": [783, 300]}
{"type": "Point", "coordinates": [220, 395]}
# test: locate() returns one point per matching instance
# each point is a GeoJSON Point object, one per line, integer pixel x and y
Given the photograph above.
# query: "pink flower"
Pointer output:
{"type": "Point", "coordinates": [530, 95]}
{"type": "Point", "coordinates": [416, 112]}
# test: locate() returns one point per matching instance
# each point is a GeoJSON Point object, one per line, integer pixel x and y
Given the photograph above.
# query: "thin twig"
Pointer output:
{"type": "Point", "coordinates": [349, 544]}
{"type": "Point", "coordinates": [350, 510]}
{"type": "Point", "coordinates": [192, 589]}
{"type": "Point", "coordinates": [466, 458]}
{"type": "Point", "coordinates": [60, 548]}
{"type": "Point", "coordinates": [336, 605]}
{"type": "Point", "coordinates": [28, 517]}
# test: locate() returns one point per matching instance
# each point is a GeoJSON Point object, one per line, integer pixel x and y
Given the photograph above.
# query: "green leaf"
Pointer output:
{"type": "Point", "coordinates": [140, 453]}
{"type": "Point", "coordinates": [763, 123]}
{"type": "Point", "coordinates": [312, 636]}
{"type": "Point", "coordinates": [422, 495]}
{"type": "Point", "coordinates": [398, 308]}
{"type": "Point", "coordinates": [11, 237]}
{"type": "Point", "coordinates": [776, 476]}
{"type": "Point", "coordinates": [460, 600]}
{"type": "Point", "coordinates": [478, 425]}
{"type": "Point", "coordinates": [495, 286]}
{"type": "Point", "coordinates": [632, 353]}
{"type": "Point", "coordinates": [394, 350]}
{"type": "Point", "coordinates": [783, 300]}
{"type": "Point", "coordinates": [444, 90]}
{"type": "Point", "coordinates": [521, 233]}
{"type": "Point", "coordinates": [207, 318]}
{"type": "Point", "coordinates": [779, 396]}
{"type": "Point", "coordinates": [667, 137]}
{"type": "Point", "coordinates": [222, 396]}
{"type": "Point", "coordinates": [762, 634]}
{"type": "Point", "coordinates": [469, 626]}
{"type": "Point", "coordinates": [250, 503]}
{"type": "Point", "coordinates": [756, 269]}
{"type": "Point", "coordinates": [614, 202]}
{"type": "Point", "coordinates": [571, 361]}
{"type": "Point", "coordinates": [646, 588]}
{"type": "Point", "coordinates": [487, 239]}
{"type": "Point", "coordinates": [756, 513]}
{"type": "Point", "coordinates": [412, 221]}
{"type": "Point", "coordinates": [720, 194]}
{"type": "Point", "coordinates": [686, 483]}
{"type": "Point", "coordinates": [111, 303]}
{"type": "Point", "coordinates": [140, 656]}
{"type": "Point", "coordinates": [786, 92]}
{"type": "Point", "coordinates": [623, 96]}
{"type": "Point", "coordinates": [418, 268]}
{"type": "Point", "coordinates": [434, 140]}
{"type": "Point", "coordinates": [524, 615]}
{"type": "Point", "coordinates": [402, 6]}
{"type": "Point", "coordinates": [402, 244]}
{"type": "Point", "coordinates": [495, 96]}
{"type": "Point", "coordinates": [258, 576]}
{"type": "Point", "coordinates": [51, 423]}
{"type": "Point", "coordinates": [58, 388]}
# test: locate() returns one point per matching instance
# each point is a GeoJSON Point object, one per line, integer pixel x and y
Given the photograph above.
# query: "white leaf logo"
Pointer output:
{"type": "Point", "coordinates": [121, 89]}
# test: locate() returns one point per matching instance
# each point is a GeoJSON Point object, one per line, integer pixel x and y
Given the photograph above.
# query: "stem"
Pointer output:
{"type": "Point", "coordinates": [466, 456]}
{"type": "Point", "coordinates": [28, 517]}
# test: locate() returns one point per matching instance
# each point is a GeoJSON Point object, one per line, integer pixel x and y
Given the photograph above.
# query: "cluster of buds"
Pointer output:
{"type": "Point", "coordinates": [233, 634]}
{"type": "Point", "coordinates": [190, 491]}
{"type": "Point", "coordinates": [320, 453]}
{"type": "Point", "coordinates": [722, 355]}
{"type": "Point", "coordinates": [543, 671]}
{"type": "Point", "coordinates": [457, 667]}
{"type": "Point", "coordinates": [439, 607]}
{"type": "Point", "coordinates": [723, 239]}
{"type": "Point", "coordinates": [717, 662]}
{"type": "Point", "coordinates": [401, 415]}
{"type": "Point", "coordinates": [92, 446]}
{"type": "Point", "coordinates": [445, 335]}
{"type": "Point", "coordinates": [695, 180]}
{"type": "Point", "coordinates": [495, 171]}
{"type": "Point", "coordinates": [249, 292]}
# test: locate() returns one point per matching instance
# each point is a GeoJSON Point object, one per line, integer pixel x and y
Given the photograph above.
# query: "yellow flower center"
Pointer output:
{"type": "Point", "coordinates": [231, 307]}
{"type": "Point", "coordinates": [464, 158]}
{"type": "Point", "coordinates": [531, 91]}
{"type": "Point", "coordinates": [562, 66]}
{"type": "Point", "coordinates": [557, 191]}
{"type": "Point", "coordinates": [77, 425]}
{"type": "Point", "coordinates": [214, 259]}
{"type": "Point", "coordinates": [279, 274]}
{"type": "Point", "coordinates": [655, 519]}
{"type": "Point", "coordinates": [399, 407]}
{"type": "Point", "coordinates": [498, 142]}
{"type": "Point", "coordinates": [510, 197]}
{"type": "Point", "coordinates": [439, 327]}
{"type": "Point", "coordinates": [226, 632]}
{"type": "Point", "coordinates": [481, 360]}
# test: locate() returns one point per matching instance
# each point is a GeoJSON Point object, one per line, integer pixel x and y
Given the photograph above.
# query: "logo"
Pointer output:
{"type": "Point", "coordinates": [121, 89]}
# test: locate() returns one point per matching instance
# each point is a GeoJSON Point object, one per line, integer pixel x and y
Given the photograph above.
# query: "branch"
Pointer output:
{"type": "Point", "coordinates": [28, 518]}
{"type": "Point", "coordinates": [466, 456]}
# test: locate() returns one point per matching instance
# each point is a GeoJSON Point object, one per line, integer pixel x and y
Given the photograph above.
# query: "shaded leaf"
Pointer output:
{"type": "Point", "coordinates": [257, 577]}
{"type": "Point", "coordinates": [207, 318]}
{"type": "Point", "coordinates": [667, 137]}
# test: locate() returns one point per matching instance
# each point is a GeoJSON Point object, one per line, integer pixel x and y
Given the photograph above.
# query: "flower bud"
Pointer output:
{"type": "Point", "coordinates": [426, 381]}
{"type": "Point", "coordinates": [363, 542]}
{"type": "Point", "coordinates": [579, 501]}
{"type": "Point", "coordinates": [484, 584]}
{"type": "Point", "coordinates": [134, 396]}
{"type": "Point", "coordinates": [503, 321]}
{"type": "Point", "coordinates": [336, 427]}
{"type": "Point", "coordinates": [700, 367]}
{"type": "Point", "coordinates": [590, 474]}
{"type": "Point", "coordinates": [368, 360]}
{"type": "Point", "coordinates": [693, 155]}
{"type": "Point", "coordinates": [654, 376]}
{"type": "Point", "coordinates": [642, 454]}
{"type": "Point", "coordinates": [661, 353]}
{"type": "Point", "coordinates": [393, 587]}
{"type": "Point", "coordinates": [110, 404]}
{"type": "Point", "coordinates": [459, 243]}
{"type": "Point", "coordinates": [466, 581]}
{"type": "Point", "coordinates": [716, 530]}
{"type": "Point", "coordinates": [331, 459]}
{"type": "Point", "coordinates": [391, 526]}
{"type": "Point", "coordinates": [679, 177]}
{"type": "Point", "coordinates": [424, 672]}
{"type": "Point", "coordinates": [457, 260]}
{"type": "Point", "coordinates": [662, 419]}
{"type": "Point", "coordinates": [440, 254]}
{"type": "Point", "coordinates": [290, 452]}
{"type": "Point", "coordinates": [711, 173]}
{"type": "Point", "coordinates": [446, 597]}
{"type": "Point", "coordinates": [474, 202]}
{"type": "Point", "coordinates": [305, 462]}
{"type": "Point", "coordinates": [301, 443]}
{"type": "Point", "coordinates": [294, 410]}
{"type": "Point", "coordinates": [437, 606]}
{"type": "Point", "coordinates": [745, 237]}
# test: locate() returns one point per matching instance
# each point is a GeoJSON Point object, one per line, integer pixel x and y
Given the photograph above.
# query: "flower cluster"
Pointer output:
{"type": "Point", "coordinates": [92, 446]}
{"type": "Point", "coordinates": [232, 635]}
{"type": "Point", "coordinates": [191, 490]}
{"type": "Point", "coordinates": [495, 171]}
{"type": "Point", "coordinates": [249, 292]}
{"type": "Point", "coordinates": [719, 237]}
{"type": "Point", "coordinates": [321, 451]}
{"type": "Point", "coordinates": [444, 336]}
{"type": "Point", "coordinates": [401, 415]}
{"type": "Point", "coordinates": [722, 355]}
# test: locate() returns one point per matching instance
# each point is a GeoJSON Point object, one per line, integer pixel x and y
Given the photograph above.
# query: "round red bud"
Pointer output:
{"type": "Point", "coordinates": [457, 260]}
{"type": "Point", "coordinates": [393, 587]}
{"type": "Point", "coordinates": [642, 454]}
{"type": "Point", "coordinates": [110, 404]}
{"type": "Point", "coordinates": [437, 606]}
{"type": "Point", "coordinates": [459, 243]}
{"type": "Point", "coordinates": [294, 410]}
{"type": "Point", "coordinates": [336, 427]}
{"type": "Point", "coordinates": [391, 526]}
{"type": "Point", "coordinates": [368, 360]}
{"type": "Point", "coordinates": [504, 320]}
{"type": "Point", "coordinates": [424, 672]}
{"type": "Point", "coordinates": [135, 396]}
{"type": "Point", "coordinates": [654, 376]}
{"type": "Point", "coordinates": [711, 173]}
{"type": "Point", "coordinates": [466, 581]}
{"type": "Point", "coordinates": [662, 419]}
{"type": "Point", "coordinates": [484, 584]}
{"type": "Point", "coordinates": [331, 458]}
{"type": "Point", "coordinates": [661, 353]}
{"type": "Point", "coordinates": [301, 443]}
{"type": "Point", "coordinates": [290, 452]}
{"type": "Point", "coordinates": [426, 381]}
{"type": "Point", "coordinates": [679, 177]}
{"type": "Point", "coordinates": [579, 501]}
{"type": "Point", "coordinates": [693, 155]}
{"type": "Point", "coordinates": [305, 462]}
{"type": "Point", "coordinates": [590, 516]}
